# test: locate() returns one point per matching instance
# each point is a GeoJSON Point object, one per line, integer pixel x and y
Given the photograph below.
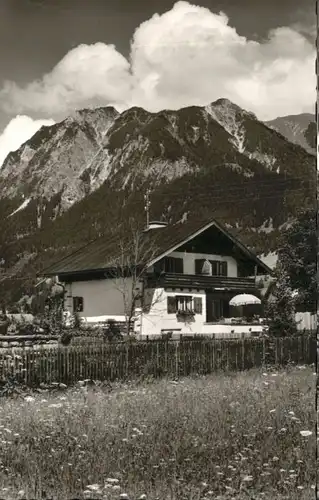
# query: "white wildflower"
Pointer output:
{"type": "Point", "coordinates": [306, 433]}
{"type": "Point", "coordinates": [93, 487]}
{"type": "Point", "coordinates": [248, 478]}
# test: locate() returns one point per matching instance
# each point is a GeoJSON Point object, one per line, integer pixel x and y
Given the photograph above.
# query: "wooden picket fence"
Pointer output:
{"type": "Point", "coordinates": [129, 360]}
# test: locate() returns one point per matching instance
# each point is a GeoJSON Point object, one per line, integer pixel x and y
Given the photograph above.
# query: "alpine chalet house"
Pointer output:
{"type": "Point", "coordinates": [177, 278]}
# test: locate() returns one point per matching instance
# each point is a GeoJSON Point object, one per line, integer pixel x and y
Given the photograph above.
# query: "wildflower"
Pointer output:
{"type": "Point", "coordinates": [305, 433]}
{"type": "Point", "coordinates": [248, 478]}
{"type": "Point", "coordinates": [93, 487]}
{"type": "Point", "coordinates": [29, 399]}
{"type": "Point", "coordinates": [135, 429]}
{"type": "Point", "coordinates": [124, 496]}
{"type": "Point", "coordinates": [112, 480]}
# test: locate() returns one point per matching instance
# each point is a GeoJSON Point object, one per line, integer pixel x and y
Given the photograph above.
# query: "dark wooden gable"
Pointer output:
{"type": "Point", "coordinates": [214, 241]}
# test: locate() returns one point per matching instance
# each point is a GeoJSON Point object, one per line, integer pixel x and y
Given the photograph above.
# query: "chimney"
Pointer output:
{"type": "Point", "coordinates": [155, 225]}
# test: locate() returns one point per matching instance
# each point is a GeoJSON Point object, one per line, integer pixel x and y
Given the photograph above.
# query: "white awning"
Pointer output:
{"type": "Point", "coordinates": [244, 299]}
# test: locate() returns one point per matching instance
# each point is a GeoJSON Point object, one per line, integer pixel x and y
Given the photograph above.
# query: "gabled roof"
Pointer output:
{"type": "Point", "coordinates": [101, 254]}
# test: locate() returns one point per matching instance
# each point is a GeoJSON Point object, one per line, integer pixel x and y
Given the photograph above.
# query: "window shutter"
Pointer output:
{"type": "Point", "coordinates": [199, 265]}
{"type": "Point", "coordinates": [223, 269]}
{"type": "Point", "coordinates": [214, 264]}
{"type": "Point", "coordinates": [171, 304]}
{"type": "Point", "coordinates": [179, 265]}
{"type": "Point", "coordinates": [159, 266]}
{"type": "Point", "coordinates": [198, 308]}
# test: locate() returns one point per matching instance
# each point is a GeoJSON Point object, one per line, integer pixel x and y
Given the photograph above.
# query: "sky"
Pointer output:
{"type": "Point", "coordinates": [60, 55]}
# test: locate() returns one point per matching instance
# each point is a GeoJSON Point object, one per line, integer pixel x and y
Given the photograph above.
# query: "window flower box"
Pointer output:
{"type": "Point", "coordinates": [184, 313]}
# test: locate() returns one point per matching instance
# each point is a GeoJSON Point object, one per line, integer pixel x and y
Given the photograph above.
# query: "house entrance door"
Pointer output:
{"type": "Point", "coordinates": [217, 306]}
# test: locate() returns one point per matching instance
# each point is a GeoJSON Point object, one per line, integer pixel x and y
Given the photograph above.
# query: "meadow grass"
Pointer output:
{"type": "Point", "coordinates": [223, 436]}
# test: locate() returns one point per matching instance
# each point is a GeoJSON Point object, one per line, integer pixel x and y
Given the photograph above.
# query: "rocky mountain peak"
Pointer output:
{"type": "Point", "coordinates": [299, 129]}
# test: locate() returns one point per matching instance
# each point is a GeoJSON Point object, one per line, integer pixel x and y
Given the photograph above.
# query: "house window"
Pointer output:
{"type": "Point", "coordinates": [184, 303]}
{"type": "Point", "coordinates": [173, 265]}
{"type": "Point", "coordinates": [219, 268]}
{"type": "Point", "coordinates": [78, 304]}
{"type": "Point", "coordinates": [211, 267]}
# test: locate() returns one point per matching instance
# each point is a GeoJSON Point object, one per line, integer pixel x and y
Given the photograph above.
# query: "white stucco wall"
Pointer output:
{"type": "Point", "coordinates": [102, 299]}
{"type": "Point", "coordinates": [189, 261]}
{"type": "Point", "coordinates": [158, 319]}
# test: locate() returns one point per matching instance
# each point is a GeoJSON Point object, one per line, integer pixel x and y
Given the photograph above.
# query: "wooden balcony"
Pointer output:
{"type": "Point", "coordinates": [201, 281]}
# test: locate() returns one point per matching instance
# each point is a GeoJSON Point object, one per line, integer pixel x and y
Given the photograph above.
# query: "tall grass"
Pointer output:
{"type": "Point", "coordinates": [219, 436]}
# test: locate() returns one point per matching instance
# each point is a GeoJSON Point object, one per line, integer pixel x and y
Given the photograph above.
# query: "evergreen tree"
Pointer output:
{"type": "Point", "coordinates": [280, 310]}
{"type": "Point", "coordinates": [298, 258]}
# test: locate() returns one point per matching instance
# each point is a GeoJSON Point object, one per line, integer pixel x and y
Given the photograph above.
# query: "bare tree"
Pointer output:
{"type": "Point", "coordinates": [135, 250]}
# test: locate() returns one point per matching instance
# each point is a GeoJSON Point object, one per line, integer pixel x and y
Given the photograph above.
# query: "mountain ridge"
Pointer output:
{"type": "Point", "coordinates": [74, 180]}
{"type": "Point", "coordinates": [299, 129]}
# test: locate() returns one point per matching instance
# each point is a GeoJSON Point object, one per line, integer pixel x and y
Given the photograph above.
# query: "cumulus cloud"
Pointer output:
{"type": "Point", "coordinates": [191, 56]}
{"type": "Point", "coordinates": [19, 130]}
{"type": "Point", "coordinates": [86, 74]}
{"type": "Point", "coordinates": [186, 56]}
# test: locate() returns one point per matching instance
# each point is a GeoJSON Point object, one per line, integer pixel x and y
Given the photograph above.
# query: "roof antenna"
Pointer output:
{"type": "Point", "coordinates": [147, 206]}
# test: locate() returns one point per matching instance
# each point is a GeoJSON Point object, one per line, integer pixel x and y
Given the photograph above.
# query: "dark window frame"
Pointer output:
{"type": "Point", "coordinates": [78, 304]}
